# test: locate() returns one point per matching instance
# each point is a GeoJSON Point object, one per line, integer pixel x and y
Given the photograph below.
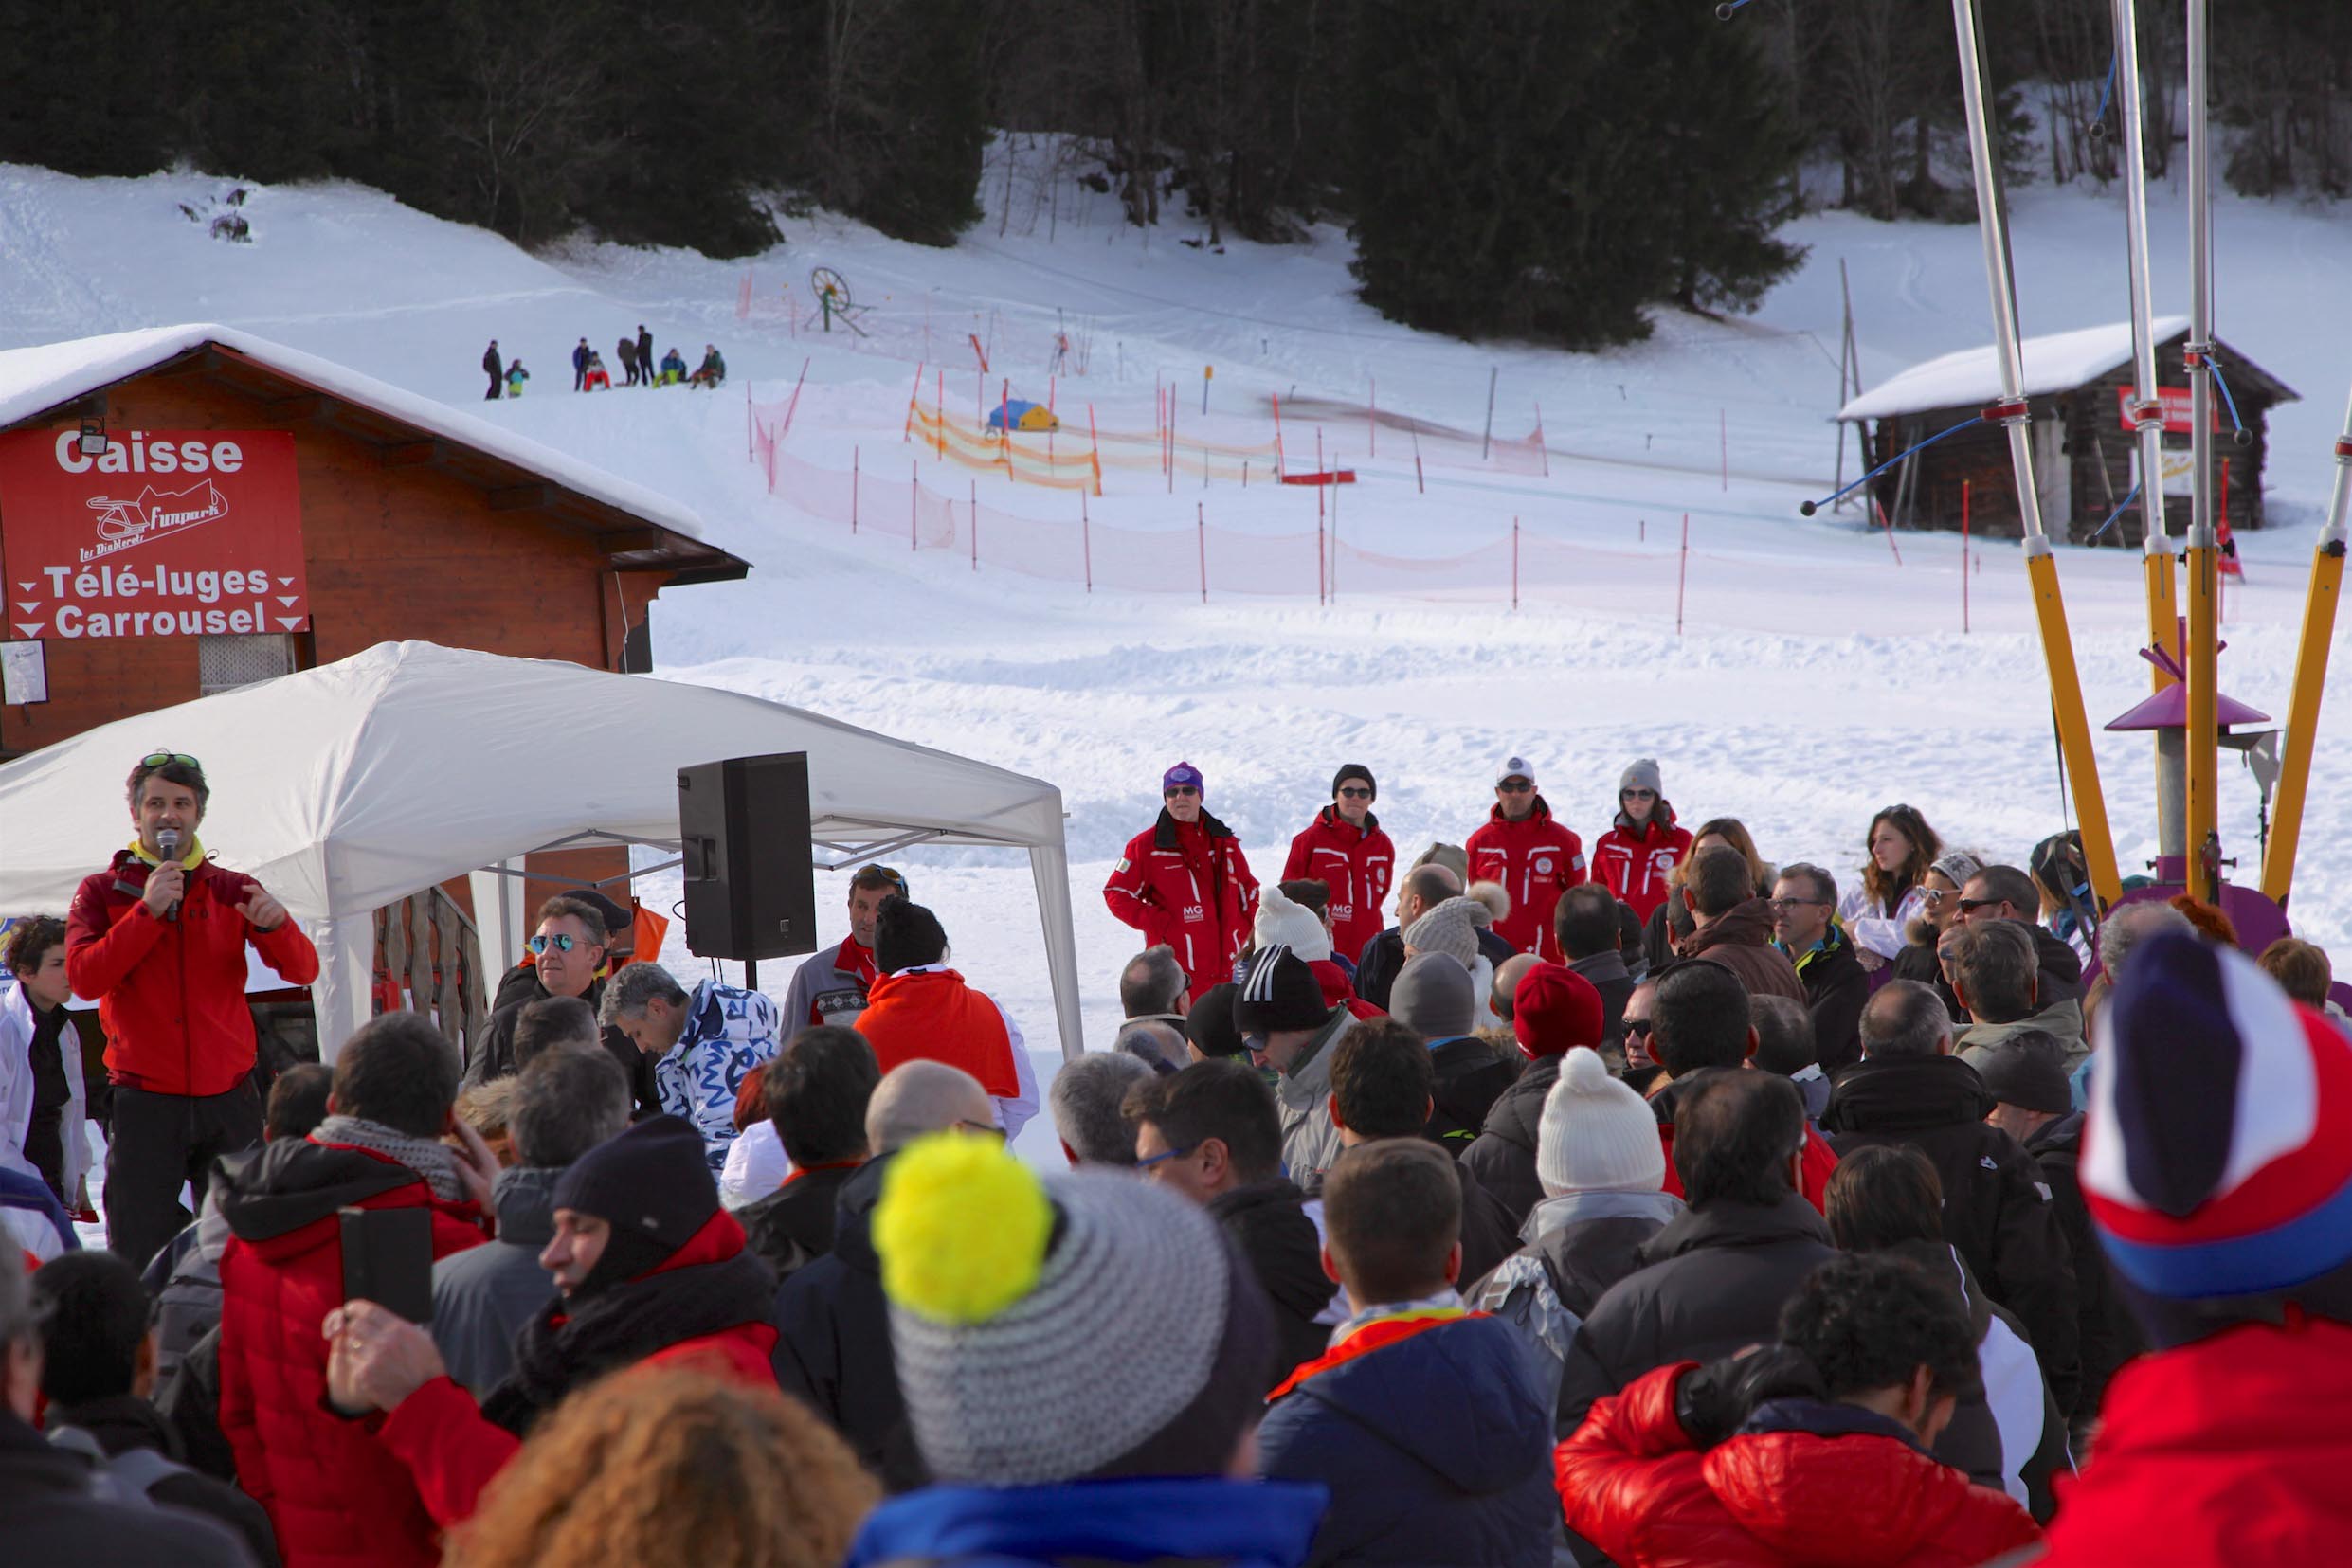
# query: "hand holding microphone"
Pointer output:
{"type": "Point", "coordinates": [166, 882]}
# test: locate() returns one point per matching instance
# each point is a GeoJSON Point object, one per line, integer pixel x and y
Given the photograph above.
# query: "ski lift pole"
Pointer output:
{"type": "Point", "coordinates": [2147, 409]}
{"type": "Point", "coordinates": [2204, 577]}
{"type": "Point", "coordinates": [2302, 703]}
{"type": "Point", "coordinates": [2042, 566]}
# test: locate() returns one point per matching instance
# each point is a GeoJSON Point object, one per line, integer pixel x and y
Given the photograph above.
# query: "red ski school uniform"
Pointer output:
{"type": "Point", "coordinates": [1536, 859]}
{"type": "Point", "coordinates": [1187, 884]}
{"type": "Point", "coordinates": [1356, 863]}
{"type": "Point", "coordinates": [1634, 862]}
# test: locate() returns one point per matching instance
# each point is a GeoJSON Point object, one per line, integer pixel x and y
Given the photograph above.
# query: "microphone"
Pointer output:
{"type": "Point", "coordinates": [168, 841]}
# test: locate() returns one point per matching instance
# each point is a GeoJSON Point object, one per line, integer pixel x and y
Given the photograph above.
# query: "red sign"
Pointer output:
{"type": "Point", "coordinates": [2176, 402]}
{"type": "Point", "coordinates": [166, 533]}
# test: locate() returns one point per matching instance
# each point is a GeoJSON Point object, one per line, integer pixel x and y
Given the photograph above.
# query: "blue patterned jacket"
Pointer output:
{"type": "Point", "coordinates": [730, 1034]}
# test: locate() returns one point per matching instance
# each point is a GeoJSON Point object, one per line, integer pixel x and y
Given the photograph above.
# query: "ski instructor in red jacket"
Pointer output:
{"type": "Point", "coordinates": [1345, 850]}
{"type": "Point", "coordinates": [158, 939]}
{"type": "Point", "coordinates": [1184, 881]}
{"type": "Point", "coordinates": [1533, 857]}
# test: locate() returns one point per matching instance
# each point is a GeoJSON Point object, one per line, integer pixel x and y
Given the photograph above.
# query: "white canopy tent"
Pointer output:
{"type": "Point", "coordinates": [352, 786]}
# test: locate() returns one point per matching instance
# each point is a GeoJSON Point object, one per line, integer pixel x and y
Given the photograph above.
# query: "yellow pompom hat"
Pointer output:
{"type": "Point", "coordinates": [1049, 1328]}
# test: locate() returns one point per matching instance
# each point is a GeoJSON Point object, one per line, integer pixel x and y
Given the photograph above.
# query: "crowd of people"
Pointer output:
{"type": "Point", "coordinates": [1709, 1216]}
{"type": "Point", "coordinates": [590, 374]}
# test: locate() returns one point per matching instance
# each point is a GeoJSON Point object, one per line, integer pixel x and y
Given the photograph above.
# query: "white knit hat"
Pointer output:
{"type": "Point", "coordinates": [1451, 926]}
{"type": "Point", "coordinates": [1284, 922]}
{"type": "Point", "coordinates": [1597, 1134]}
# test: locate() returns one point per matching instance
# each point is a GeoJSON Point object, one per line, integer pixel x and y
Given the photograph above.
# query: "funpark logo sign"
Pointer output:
{"type": "Point", "coordinates": [166, 534]}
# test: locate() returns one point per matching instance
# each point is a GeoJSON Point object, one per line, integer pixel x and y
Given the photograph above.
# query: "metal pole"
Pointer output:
{"type": "Point", "coordinates": [2041, 565]}
{"type": "Point", "coordinates": [1486, 444]}
{"type": "Point", "coordinates": [2203, 845]}
{"type": "Point", "coordinates": [2302, 706]}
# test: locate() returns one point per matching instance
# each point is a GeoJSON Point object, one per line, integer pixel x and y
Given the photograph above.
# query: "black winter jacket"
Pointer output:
{"type": "Point", "coordinates": [794, 1225]}
{"type": "Point", "coordinates": [1712, 1285]}
{"type": "Point", "coordinates": [1616, 983]}
{"type": "Point", "coordinates": [1835, 988]}
{"type": "Point", "coordinates": [2060, 978]}
{"type": "Point", "coordinates": [1470, 1077]}
{"type": "Point", "coordinates": [55, 1518]}
{"type": "Point", "coordinates": [1997, 1207]}
{"type": "Point", "coordinates": [1502, 1157]}
{"type": "Point", "coordinates": [2110, 1334]}
{"type": "Point", "coordinates": [124, 1424]}
{"type": "Point", "coordinates": [833, 1340]}
{"type": "Point", "coordinates": [1268, 1221]}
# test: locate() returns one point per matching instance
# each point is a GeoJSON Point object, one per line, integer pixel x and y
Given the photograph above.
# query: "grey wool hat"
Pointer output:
{"type": "Point", "coordinates": [1451, 926]}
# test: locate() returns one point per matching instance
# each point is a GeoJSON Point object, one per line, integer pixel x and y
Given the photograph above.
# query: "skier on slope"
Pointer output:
{"type": "Point", "coordinates": [490, 363]}
{"type": "Point", "coordinates": [1534, 856]}
{"type": "Point", "coordinates": [1184, 881]}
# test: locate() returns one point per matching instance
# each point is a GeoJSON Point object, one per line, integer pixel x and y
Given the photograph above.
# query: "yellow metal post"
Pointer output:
{"type": "Point", "coordinates": [2065, 693]}
{"type": "Point", "coordinates": [2303, 704]}
{"type": "Point", "coordinates": [2204, 587]}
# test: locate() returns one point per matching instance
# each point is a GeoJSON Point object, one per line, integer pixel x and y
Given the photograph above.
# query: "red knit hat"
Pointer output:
{"type": "Point", "coordinates": [1554, 1010]}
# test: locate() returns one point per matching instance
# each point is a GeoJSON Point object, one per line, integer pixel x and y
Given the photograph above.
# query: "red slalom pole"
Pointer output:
{"type": "Point", "coordinates": [1200, 526]}
{"type": "Point", "coordinates": [1323, 588]}
{"type": "Point", "coordinates": [914, 399]}
{"type": "Point", "coordinates": [1682, 575]}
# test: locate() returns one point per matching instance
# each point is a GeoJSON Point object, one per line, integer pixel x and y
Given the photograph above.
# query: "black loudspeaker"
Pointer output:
{"type": "Point", "coordinates": [751, 889]}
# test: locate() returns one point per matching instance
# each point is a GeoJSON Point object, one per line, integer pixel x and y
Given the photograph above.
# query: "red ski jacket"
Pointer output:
{"type": "Point", "coordinates": [171, 993]}
{"type": "Point", "coordinates": [2233, 1448]}
{"type": "Point", "coordinates": [1190, 889]}
{"type": "Point", "coordinates": [334, 1494]}
{"type": "Point", "coordinates": [1536, 859]}
{"type": "Point", "coordinates": [1632, 862]}
{"type": "Point", "coordinates": [1356, 863]}
{"type": "Point", "coordinates": [1634, 1484]}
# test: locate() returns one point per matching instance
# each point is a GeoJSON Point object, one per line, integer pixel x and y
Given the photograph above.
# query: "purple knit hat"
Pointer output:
{"type": "Point", "coordinates": [1183, 773]}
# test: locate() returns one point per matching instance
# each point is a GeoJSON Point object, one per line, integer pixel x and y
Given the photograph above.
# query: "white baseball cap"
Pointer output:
{"type": "Point", "coordinates": [1515, 767]}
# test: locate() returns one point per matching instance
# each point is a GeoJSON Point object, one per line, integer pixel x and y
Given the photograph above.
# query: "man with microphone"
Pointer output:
{"type": "Point", "coordinates": [158, 939]}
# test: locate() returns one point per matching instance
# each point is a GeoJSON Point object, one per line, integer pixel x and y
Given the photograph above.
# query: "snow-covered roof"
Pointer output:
{"type": "Point", "coordinates": [2057, 362]}
{"type": "Point", "coordinates": [35, 380]}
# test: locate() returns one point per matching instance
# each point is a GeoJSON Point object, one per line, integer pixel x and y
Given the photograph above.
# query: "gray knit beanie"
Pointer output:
{"type": "Point", "coordinates": [1433, 996]}
{"type": "Point", "coordinates": [1641, 773]}
{"type": "Point", "coordinates": [1958, 864]}
{"type": "Point", "coordinates": [1451, 927]}
{"type": "Point", "coordinates": [1136, 1344]}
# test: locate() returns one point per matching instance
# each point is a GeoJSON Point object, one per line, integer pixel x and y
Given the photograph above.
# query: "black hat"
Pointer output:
{"type": "Point", "coordinates": [906, 935]}
{"type": "Point", "coordinates": [1354, 770]}
{"type": "Point", "coordinates": [649, 1180]}
{"type": "Point", "coordinates": [1279, 992]}
{"type": "Point", "coordinates": [2027, 1070]}
{"type": "Point", "coordinates": [616, 918]}
{"type": "Point", "coordinates": [1209, 1025]}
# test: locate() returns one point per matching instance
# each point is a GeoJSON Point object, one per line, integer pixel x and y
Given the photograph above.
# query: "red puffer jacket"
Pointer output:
{"type": "Point", "coordinates": [2231, 1449]}
{"type": "Point", "coordinates": [144, 972]}
{"type": "Point", "coordinates": [1356, 863]}
{"type": "Point", "coordinates": [1536, 859]}
{"type": "Point", "coordinates": [453, 1452]}
{"type": "Point", "coordinates": [1632, 862]}
{"type": "Point", "coordinates": [1188, 888]}
{"type": "Point", "coordinates": [1636, 1486]}
{"type": "Point", "coordinates": [334, 1493]}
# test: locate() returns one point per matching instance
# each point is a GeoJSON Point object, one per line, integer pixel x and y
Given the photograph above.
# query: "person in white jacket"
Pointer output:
{"type": "Point", "coordinates": [43, 1103]}
{"type": "Point", "coordinates": [1900, 847]}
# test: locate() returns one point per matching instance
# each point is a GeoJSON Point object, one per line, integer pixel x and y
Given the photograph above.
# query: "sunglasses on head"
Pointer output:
{"type": "Point", "coordinates": [560, 942]}
{"type": "Point", "coordinates": [164, 759]}
{"type": "Point", "coordinates": [887, 875]}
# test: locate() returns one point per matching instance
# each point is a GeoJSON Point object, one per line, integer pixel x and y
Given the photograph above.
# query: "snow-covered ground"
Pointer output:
{"type": "Point", "coordinates": [1815, 678]}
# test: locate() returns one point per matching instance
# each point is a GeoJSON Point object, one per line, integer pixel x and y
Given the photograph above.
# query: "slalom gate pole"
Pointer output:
{"type": "Point", "coordinates": [915, 402]}
{"type": "Point", "coordinates": [2146, 412]}
{"type": "Point", "coordinates": [1542, 450]}
{"type": "Point", "coordinates": [1200, 526]}
{"type": "Point", "coordinates": [1964, 488]}
{"type": "Point", "coordinates": [1892, 546]}
{"type": "Point", "coordinates": [1420, 486]}
{"type": "Point", "coordinates": [2065, 688]}
{"type": "Point", "coordinates": [941, 395]}
{"type": "Point", "coordinates": [1486, 443]}
{"type": "Point", "coordinates": [2303, 705]}
{"type": "Point", "coordinates": [1322, 585]}
{"type": "Point", "coordinates": [1086, 540]}
{"type": "Point", "coordinates": [794, 406]}
{"type": "Point", "coordinates": [2204, 588]}
{"type": "Point", "coordinates": [1277, 436]}
{"type": "Point", "coordinates": [1004, 417]}
{"type": "Point", "coordinates": [1682, 573]}
{"type": "Point", "coordinates": [853, 489]}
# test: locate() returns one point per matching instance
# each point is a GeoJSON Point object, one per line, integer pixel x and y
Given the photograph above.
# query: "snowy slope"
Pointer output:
{"type": "Point", "coordinates": [1817, 678]}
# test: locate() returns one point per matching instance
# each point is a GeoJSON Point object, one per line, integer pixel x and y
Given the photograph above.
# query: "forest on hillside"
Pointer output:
{"type": "Point", "coordinates": [1540, 169]}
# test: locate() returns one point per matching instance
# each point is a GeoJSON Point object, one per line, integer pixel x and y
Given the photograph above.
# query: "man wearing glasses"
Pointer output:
{"type": "Point", "coordinates": [1184, 881]}
{"type": "Point", "coordinates": [567, 952]}
{"type": "Point", "coordinates": [1805, 926]}
{"type": "Point", "coordinates": [832, 987]}
{"type": "Point", "coordinates": [158, 939]}
{"type": "Point", "coordinates": [1345, 849]}
{"type": "Point", "coordinates": [1534, 857]}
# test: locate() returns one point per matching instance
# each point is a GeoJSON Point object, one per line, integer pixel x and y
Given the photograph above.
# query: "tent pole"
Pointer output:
{"type": "Point", "coordinates": [2303, 705]}
{"type": "Point", "coordinates": [2042, 566]}
{"type": "Point", "coordinates": [2203, 872]}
